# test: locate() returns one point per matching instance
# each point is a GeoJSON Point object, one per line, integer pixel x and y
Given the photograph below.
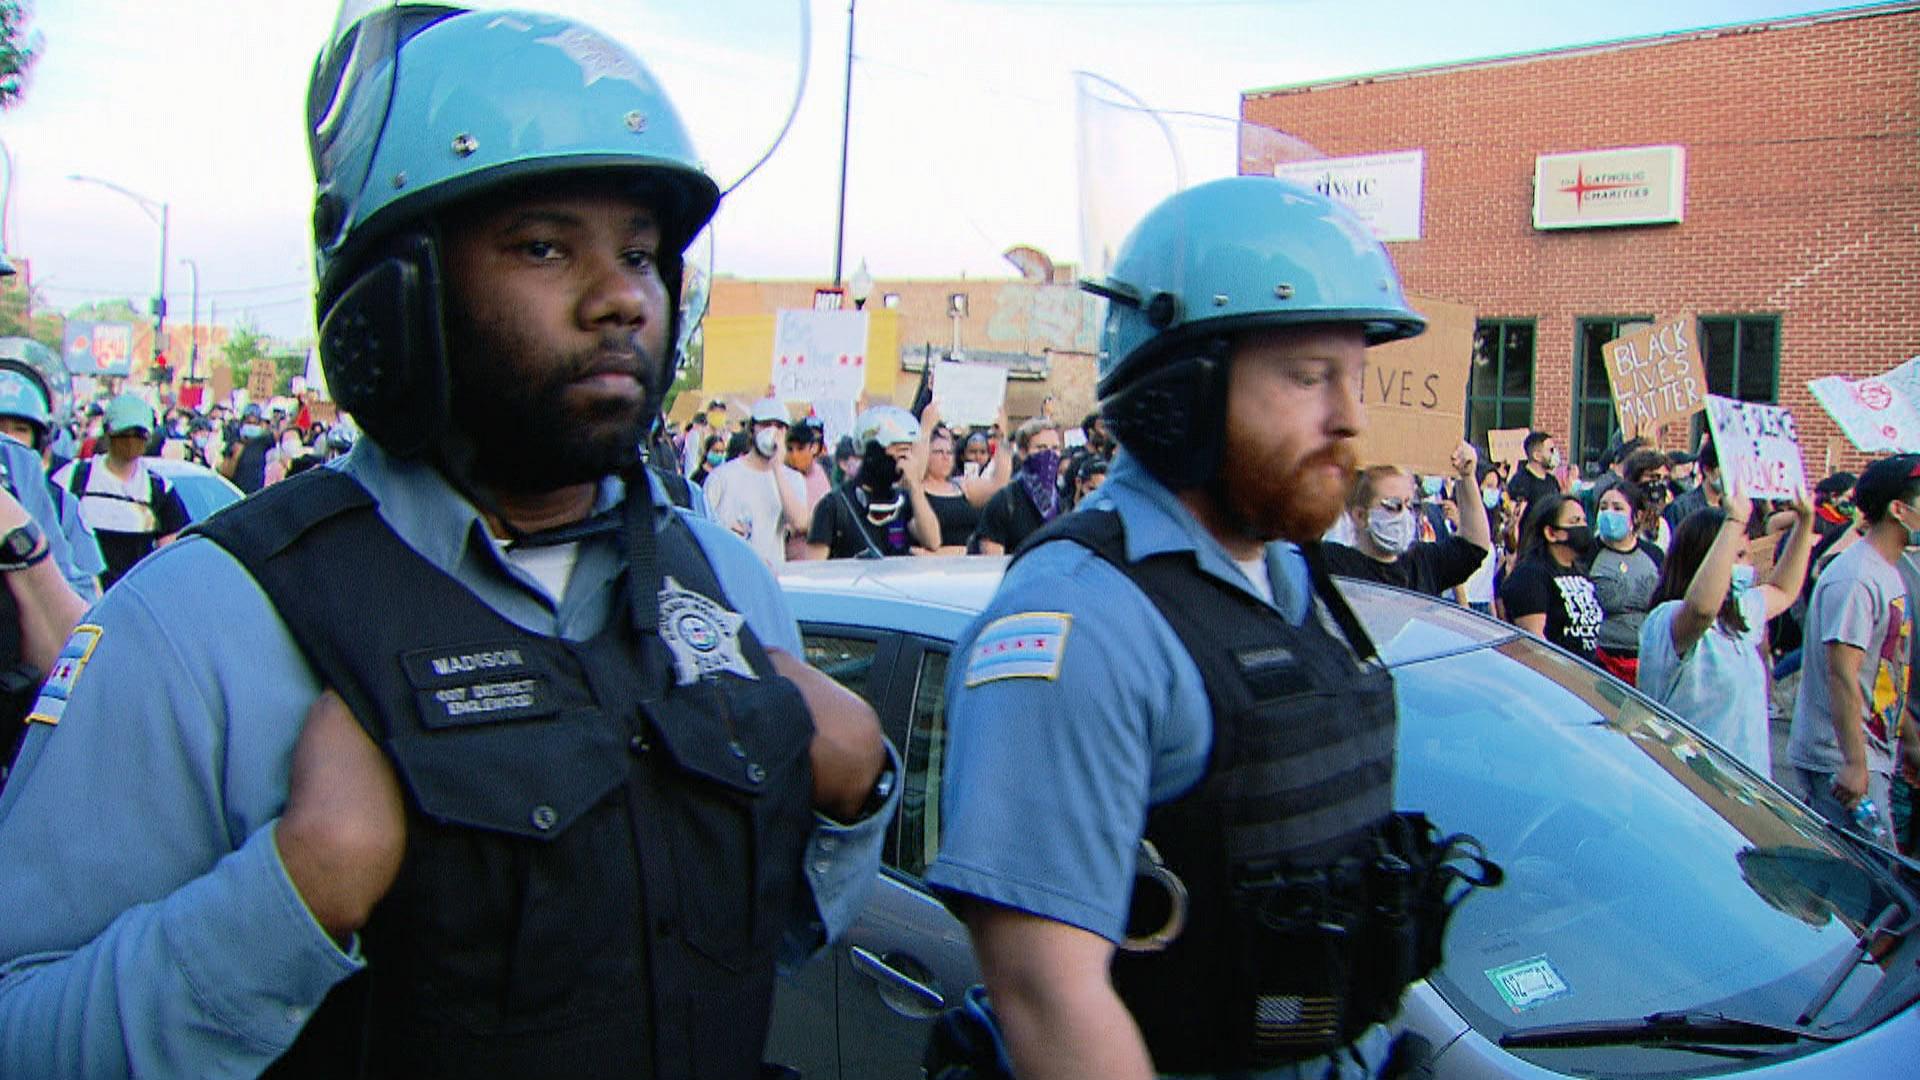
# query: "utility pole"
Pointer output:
{"type": "Point", "coordinates": [846, 123]}
{"type": "Point", "coordinates": [193, 354]}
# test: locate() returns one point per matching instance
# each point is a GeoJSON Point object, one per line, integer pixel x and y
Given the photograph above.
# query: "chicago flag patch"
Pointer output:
{"type": "Point", "coordinates": [1030, 645]}
{"type": "Point", "coordinates": [66, 671]}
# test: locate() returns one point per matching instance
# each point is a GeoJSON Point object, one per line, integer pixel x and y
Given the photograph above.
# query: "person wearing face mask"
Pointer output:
{"type": "Point", "coordinates": [882, 507]}
{"type": "Point", "coordinates": [1477, 592]}
{"type": "Point", "coordinates": [1386, 526]}
{"type": "Point", "coordinates": [758, 495]}
{"type": "Point", "coordinates": [1702, 496]}
{"type": "Point", "coordinates": [712, 454]}
{"type": "Point", "coordinates": [1853, 683]}
{"type": "Point", "coordinates": [1546, 594]}
{"type": "Point", "coordinates": [1624, 569]}
{"type": "Point", "coordinates": [1534, 479]}
{"type": "Point", "coordinates": [1018, 510]}
{"type": "Point", "coordinates": [1700, 645]}
{"type": "Point", "coordinates": [245, 462]}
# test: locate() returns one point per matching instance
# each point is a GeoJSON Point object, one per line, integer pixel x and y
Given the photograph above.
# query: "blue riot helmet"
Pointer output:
{"type": "Point", "coordinates": [414, 108]}
{"type": "Point", "coordinates": [1210, 262]}
{"type": "Point", "coordinates": [34, 385]}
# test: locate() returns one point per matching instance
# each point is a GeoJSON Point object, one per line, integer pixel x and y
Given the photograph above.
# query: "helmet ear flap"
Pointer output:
{"type": "Point", "coordinates": [1173, 418]}
{"type": "Point", "coordinates": [383, 347]}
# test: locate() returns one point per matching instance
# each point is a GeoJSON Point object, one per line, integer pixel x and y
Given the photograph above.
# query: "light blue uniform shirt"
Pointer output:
{"type": "Point", "coordinates": [69, 539]}
{"type": "Point", "coordinates": [149, 925]}
{"type": "Point", "coordinates": [1050, 775]}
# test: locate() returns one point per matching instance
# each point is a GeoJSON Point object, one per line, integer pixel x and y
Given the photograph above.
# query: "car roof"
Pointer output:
{"type": "Point", "coordinates": [938, 595]}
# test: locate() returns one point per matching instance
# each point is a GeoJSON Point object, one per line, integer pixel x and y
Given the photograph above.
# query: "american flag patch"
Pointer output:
{"type": "Point", "coordinates": [1030, 645]}
{"type": "Point", "coordinates": [66, 670]}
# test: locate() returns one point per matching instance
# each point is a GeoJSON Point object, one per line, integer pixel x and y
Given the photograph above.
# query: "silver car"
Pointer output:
{"type": "Point", "coordinates": [1667, 912]}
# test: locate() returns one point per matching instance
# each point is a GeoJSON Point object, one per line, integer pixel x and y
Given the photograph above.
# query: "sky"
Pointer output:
{"type": "Point", "coordinates": [962, 124]}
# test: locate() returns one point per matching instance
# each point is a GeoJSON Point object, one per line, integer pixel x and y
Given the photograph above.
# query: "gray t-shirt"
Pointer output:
{"type": "Point", "coordinates": [1859, 600]}
{"type": "Point", "coordinates": [1624, 583]}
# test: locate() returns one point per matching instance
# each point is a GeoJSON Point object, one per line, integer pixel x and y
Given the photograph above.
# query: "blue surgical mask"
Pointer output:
{"type": "Point", "coordinates": [1433, 485]}
{"type": "Point", "coordinates": [1742, 578]}
{"type": "Point", "coordinates": [1613, 525]}
{"type": "Point", "coordinates": [1490, 497]}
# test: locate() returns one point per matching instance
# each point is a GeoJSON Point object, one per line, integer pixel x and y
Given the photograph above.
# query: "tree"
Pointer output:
{"type": "Point", "coordinates": [47, 323]}
{"type": "Point", "coordinates": [109, 311]}
{"type": "Point", "coordinates": [245, 345]}
{"type": "Point", "coordinates": [18, 51]}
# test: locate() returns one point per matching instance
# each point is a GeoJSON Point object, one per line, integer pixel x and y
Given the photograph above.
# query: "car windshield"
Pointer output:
{"type": "Point", "coordinates": [1647, 871]}
{"type": "Point", "coordinates": [203, 495]}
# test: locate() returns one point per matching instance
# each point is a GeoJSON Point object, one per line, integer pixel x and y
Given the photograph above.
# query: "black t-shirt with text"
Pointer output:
{"type": "Point", "coordinates": [1538, 585]}
{"type": "Point", "coordinates": [1430, 568]}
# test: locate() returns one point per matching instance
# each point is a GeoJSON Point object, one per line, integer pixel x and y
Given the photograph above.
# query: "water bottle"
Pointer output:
{"type": "Point", "coordinates": [1866, 819]}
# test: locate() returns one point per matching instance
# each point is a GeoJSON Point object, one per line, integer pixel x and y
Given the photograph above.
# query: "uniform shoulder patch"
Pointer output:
{"type": "Point", "coordinates": [1030, 645]}
{"type": "Point", "coordinates": [66, 671]}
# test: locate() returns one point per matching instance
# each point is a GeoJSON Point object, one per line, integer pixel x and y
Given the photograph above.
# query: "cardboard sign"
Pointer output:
{"type": "Point", "coordinates": [1759, 448]}
{"type": "Point", "coordinates": [261, 377]}
{"type": "Point", "coordinates": [819, 355]}
{"type": "Point", "coordinates": [1879, 415]}
{"type": "Point", "coordinates": [1415, 392]}
{"type": "Point", "coordinates": [1508, 444]}
{"type": "Point", "coordinates": [1657, 376]}
{"type": "Point", "coordinates": [970, 395]}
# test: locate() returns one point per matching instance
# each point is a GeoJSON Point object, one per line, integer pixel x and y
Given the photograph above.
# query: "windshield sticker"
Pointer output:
{"type": "Point", "coordinates": [1528, 984]}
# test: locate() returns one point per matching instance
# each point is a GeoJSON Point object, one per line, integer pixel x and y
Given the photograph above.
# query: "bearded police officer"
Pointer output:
{"type": "Point", "coordinates": [1168, 727]}
{"type": "Point", "coordinates": [496, 765]}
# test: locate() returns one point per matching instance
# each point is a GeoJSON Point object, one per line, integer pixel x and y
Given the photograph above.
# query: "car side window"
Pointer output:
{"type": "Point", "coordinates": [925, 758]}
{"type": "Point", "coordinates": [848, 660]}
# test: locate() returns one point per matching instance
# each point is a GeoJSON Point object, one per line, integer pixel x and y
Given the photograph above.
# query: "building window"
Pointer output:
{"type": "Point", "coordinates": [1595, 423]}
{"type": "Point", "coordinates": [1742, 356]}
{"type": "Point", "coordinates": [1500, 388]}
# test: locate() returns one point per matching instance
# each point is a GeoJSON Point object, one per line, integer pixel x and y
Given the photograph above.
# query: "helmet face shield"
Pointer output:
{"type": "Point", "coordinates": [414, 108]}
{"type": "Point", "coordinates": [44, 367]}
{"type": "Point", "coordinates": [1186, 234]}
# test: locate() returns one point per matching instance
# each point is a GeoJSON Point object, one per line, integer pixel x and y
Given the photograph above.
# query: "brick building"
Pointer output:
{"type": "Point", "coordinates": [1798, 244]}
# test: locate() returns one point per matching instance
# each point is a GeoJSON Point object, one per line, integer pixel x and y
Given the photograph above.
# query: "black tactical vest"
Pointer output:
{"type": "Point", "coordinates": [1297, 792]}
{"type": "Point", "coordinates": [601, 856]}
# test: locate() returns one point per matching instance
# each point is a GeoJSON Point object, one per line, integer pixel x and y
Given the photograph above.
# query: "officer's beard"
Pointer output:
{"type": "Point", "coordinates": [1269, 501]}
{"type": "Point", "coordinates": [525, 434]}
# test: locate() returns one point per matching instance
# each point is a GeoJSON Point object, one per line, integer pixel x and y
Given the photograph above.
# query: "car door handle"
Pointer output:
{"type": "Point", "coordinates": [869, 963]}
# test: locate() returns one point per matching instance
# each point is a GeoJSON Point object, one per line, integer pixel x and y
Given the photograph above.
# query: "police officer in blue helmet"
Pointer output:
{"type": "Point", "coordinates": [1167, 727]}
{"type": "Point", "coordinates": [498, 766]}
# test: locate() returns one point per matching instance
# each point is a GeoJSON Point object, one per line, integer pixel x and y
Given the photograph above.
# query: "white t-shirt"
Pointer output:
{"type": "Point", "coordinates": [111, 504]}
{"type": "Point", "coordinates": [743, 498]}
{"type": "Point", "coordinates": [1720, 686]}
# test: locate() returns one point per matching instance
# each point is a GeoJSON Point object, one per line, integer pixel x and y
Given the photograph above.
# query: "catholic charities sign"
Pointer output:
{"type": "Point", "coordinates": [1382, 190]}
{"type": "Point", "coordinates": [1644, 185]}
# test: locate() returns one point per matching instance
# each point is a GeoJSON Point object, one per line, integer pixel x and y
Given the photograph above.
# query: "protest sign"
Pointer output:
{"type": "Point", "coordinates": [1508, 444]}
{"type": "Point", "coordinates": [1657, 376]}
{"type": "Point", "coordinates": [1759, 448]}
{"type": "Point", "coordinates": [819, 355]}
{"type": "Point", "coordinates": [970, 395]}
{"type": "Point", "coordinates": [261, 378]}
{"type": "Point", "coordinates": [1415, 391]}
{"type": "Point", "coordinates": [1879, 414]}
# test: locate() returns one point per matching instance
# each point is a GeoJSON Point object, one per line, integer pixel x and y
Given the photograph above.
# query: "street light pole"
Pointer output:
{"type": "Point", "coordinates": [158, 213]}
{"type": "Point", "coordinates": [846, 123]}
{"type": "Point", "coordinates": [193, 353]}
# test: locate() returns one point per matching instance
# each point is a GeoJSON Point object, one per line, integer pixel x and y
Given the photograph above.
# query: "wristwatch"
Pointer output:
{"type": "Point", "coordinates": [877, 798]}
{"type": "Point", "coordinates": [23, 547]}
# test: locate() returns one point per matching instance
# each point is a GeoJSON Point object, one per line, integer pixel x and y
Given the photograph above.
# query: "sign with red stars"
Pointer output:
{"type": "Point", "coordinates": [819, 355]}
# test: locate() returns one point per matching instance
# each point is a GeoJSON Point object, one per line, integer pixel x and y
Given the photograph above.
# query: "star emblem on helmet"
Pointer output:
{"type": "Point", "coordinates": [598, 57]}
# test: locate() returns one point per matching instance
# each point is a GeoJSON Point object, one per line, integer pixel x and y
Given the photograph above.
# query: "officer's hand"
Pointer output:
{"type": "Point", "coordinates": [344, 831]}
{"type": "Point", "coordinates": [12, 514]}
{"type": "Point", "coordinates": [847, 751]}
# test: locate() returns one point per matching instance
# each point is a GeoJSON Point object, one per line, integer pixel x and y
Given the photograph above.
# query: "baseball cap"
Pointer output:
{"type": "Point", "coordinates": [1884, 481]}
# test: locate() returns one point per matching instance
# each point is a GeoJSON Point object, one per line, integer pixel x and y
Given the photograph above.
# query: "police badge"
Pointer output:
{"type": "Point", "coordinates": [703, 636]}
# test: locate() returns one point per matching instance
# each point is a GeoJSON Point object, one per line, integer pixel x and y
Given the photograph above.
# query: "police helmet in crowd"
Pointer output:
{"type": "Point", "coordinates": [885, 426]}
{"type": "Point", "coordinates": [1210, 262]}
{"type": "Point", "coordinates": [415, 109]}
{"type": "Point", "coordinates": [34, 385]}
{"type": "Point", "coordinates": [129, 414]}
